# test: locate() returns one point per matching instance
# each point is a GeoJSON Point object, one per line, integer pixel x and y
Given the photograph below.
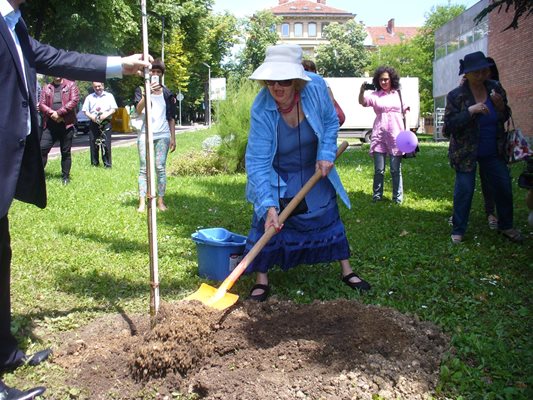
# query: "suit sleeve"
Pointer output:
{"type": "Point", "coordinates": [72, 65]}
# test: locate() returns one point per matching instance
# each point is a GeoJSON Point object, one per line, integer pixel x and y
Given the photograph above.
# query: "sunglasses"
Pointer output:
{"type": "Point", "coordinates": [285, 83]}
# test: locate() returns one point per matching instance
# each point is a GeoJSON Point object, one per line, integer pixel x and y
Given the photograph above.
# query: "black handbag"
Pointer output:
{"type": "Point", "coordinates": [301, 208]}
{"type": "Point", "coordinates": [413, 153]}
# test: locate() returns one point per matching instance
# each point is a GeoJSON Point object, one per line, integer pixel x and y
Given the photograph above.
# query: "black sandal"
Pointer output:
{"type": "Point", "coordinates": [259, 297]}
{"type": "Point", "coordinates": [512, 234]}
{"type": "Point", "coordinates": [363, 286]}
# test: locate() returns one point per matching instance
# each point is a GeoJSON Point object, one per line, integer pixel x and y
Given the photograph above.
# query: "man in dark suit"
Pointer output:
{"type": "Point", "coordinates": [21, 167]}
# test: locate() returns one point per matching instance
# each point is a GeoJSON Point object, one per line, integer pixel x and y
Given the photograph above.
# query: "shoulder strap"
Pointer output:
{"type": "Point", "coordinates": [403, 113]}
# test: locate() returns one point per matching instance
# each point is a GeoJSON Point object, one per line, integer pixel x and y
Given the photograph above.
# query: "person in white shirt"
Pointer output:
{"type": "Point", "coordinates": [163, 122]}
{"type": "Point", "coordinates": [99, 108]}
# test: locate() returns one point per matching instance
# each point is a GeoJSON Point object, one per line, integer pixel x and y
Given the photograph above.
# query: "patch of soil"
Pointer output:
{"type": "Point", "coordinates": [274, 350]}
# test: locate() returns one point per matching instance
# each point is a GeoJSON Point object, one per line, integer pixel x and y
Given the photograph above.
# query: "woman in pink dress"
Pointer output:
{"type": "Point", "coordinates": [387, 104]}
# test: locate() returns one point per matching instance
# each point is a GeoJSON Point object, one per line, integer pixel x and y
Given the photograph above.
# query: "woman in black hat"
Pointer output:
{"type": "Point", "coordinates": [475, 115]}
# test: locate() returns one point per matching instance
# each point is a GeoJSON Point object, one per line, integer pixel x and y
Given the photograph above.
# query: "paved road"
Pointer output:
{"type": "Point", "coordinates": [81, 142]}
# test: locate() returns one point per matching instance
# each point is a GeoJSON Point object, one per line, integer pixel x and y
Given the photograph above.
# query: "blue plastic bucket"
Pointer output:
{"type": "Point", "coordinates": [219, 252]}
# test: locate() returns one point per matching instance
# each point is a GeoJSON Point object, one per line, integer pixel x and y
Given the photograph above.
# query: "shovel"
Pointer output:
{"type": "Point", "coordinates": [219, 298]}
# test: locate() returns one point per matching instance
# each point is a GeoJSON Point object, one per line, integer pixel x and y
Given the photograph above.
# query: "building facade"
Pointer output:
{"type": "Point", "coordinates": [389, 34]}
{"type": "Point", "coordinates": [512, 51]}
{"type": "Point", "coordinates": [304, 22]}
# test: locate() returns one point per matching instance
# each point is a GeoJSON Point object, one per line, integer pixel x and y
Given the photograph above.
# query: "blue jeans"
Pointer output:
{"type": "Point", "coordinates": [499, 180]}
{"type": "Point", "coordinates": [486, 191]}
{"type": "Point", "coordinates": [396, 173]}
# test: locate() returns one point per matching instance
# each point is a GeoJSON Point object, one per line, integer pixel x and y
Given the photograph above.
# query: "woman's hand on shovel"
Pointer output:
{"type": "Point", "coordinates": [324, 167]}
{"type": "Point", "coordinates": [272, 219]}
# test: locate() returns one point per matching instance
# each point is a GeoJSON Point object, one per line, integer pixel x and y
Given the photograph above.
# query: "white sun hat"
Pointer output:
{"type": "Point", "coordinates": [282, 62]}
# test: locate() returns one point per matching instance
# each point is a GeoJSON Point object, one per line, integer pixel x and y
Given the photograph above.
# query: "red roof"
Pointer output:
{"type": "Point", "coordinates": [381, 35]}
{"type": "Point", "coordinates": [306, 7]}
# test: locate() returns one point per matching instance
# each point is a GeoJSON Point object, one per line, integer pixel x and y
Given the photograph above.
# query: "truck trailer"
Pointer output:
{"type": "Point", "coordinates": [359, 119]}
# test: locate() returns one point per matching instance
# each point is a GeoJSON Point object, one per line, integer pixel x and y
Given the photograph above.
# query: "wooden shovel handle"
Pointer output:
{"type": "Point", "coordinates": [271, 231]}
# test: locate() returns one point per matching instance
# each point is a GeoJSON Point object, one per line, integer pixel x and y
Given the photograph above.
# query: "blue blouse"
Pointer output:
{"type": "Point", "coordinates": [262, 184]}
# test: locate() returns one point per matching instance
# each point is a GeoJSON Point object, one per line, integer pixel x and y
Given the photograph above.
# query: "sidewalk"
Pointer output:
{"type": "Point", "coordinates": [81, 142]}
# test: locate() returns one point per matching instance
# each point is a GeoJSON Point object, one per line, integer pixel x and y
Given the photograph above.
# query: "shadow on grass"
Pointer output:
{"type": "Point", "coordinates": [118, 245]}
{"type": "Point", "coordinates": [218, 205]}
{"type": "Point", "coordinates": [26, 326]}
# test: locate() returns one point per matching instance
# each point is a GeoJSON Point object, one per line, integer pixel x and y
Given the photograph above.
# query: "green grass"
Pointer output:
{"type": "Point", "coordinates": [86, 255]}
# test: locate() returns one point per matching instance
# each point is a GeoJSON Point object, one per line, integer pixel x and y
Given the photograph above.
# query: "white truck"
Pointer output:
{"type": "Point", "coordinates": [359, 119]}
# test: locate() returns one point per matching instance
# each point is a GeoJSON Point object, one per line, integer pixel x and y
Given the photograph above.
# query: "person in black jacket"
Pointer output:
{"type": "Point", "coordinates": [21, 165]}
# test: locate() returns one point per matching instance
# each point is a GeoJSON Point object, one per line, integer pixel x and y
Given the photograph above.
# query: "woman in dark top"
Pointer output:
{"type": "Point", "coordinates": [475, 115]}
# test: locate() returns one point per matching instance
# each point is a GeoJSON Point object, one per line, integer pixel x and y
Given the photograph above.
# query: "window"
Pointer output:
{"type": "Point", "coordinates": [298, 29]}
{"type": "Point", "coordinates": [285, 30]}
{"type": "Point", "coordinates": [452, 46]}
{"type": "Point", "coordinates": [478, 32]}
{"type": "Point", "coordinates": [440, 102]}
{"type": "Point", "coordinates": [323, 26]}
{"type": "Point", "coordinates": [440, 52]}
{"type": "Point", "coordinates": [311, 29]}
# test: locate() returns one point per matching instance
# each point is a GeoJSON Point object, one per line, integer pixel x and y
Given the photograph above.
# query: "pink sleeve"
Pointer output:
{"type": "Point", "coordinates": [370, 99]}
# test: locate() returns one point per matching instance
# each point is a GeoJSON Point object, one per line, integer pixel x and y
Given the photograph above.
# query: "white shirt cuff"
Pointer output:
{"type": "Point", "coordinates": [114, 67]}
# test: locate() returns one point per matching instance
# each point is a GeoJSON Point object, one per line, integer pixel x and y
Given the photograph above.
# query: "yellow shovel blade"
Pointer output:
{"type": "Point", "coordinates": [206, 294]}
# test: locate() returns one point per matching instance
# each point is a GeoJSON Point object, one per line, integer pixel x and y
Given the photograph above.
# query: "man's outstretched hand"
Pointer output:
{"type": "Point", "coordinates": [135, 64]}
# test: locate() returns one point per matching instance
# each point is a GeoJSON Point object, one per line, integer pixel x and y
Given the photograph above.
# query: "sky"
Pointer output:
{"type": "Point", "coordinates": [372, 13]}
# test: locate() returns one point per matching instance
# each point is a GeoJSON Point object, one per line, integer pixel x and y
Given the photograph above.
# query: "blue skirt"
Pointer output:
{"type": "Point", "coordinates": [311, 238]}
{"type": "Point", "coordinates": [318, 236]}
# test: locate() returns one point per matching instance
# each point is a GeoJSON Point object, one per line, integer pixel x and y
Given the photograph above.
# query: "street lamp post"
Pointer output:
{"type": "Point", "coordinates": [208, 93]}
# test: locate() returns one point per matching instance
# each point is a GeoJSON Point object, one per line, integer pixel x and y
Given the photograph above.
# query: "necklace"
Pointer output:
{"type": "Point", "coordinates": [291, 106]}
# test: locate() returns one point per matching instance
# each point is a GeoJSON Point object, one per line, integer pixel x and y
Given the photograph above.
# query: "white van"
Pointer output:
{"type": "Point", "coordinates": [359, 119]}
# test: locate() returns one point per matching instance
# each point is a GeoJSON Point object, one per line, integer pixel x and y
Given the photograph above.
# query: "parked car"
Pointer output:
{"type": "Point", "coordinates": [82, 125]}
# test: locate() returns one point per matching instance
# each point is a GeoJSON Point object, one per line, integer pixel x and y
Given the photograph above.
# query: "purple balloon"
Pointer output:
{"type": "Point", "coordinates": [406, 141]}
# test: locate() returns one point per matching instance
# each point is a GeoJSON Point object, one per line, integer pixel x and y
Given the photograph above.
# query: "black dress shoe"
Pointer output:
{"type": "Point", "coordinates": [38, 357]}
{"type": "Point", "coordinates": [14, 394]}
{"type": "Point", "coordinates": [362, 286]}
{"type": "Point", "coordinates": [31, 360]}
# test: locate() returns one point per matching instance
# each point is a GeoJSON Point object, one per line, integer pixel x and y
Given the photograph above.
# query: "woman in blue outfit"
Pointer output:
{"type": "Point", "coordinates": [293, 133]}
{"type": "Point", "coordinates": [475, 115]}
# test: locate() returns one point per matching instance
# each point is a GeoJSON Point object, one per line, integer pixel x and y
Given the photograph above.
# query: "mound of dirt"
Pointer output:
{"type": "Point", "coordinates": [274, 350]}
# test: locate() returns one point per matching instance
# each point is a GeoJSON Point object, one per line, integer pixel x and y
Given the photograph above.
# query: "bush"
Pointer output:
{"type": "Point", "coordinates": [195, 163]}
{"type": "Point", "coordinates": [234, 123]}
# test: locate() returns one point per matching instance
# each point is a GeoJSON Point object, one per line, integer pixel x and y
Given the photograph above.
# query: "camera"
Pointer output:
{"type": "Point", "coordinates": [155, 79]}
{"type": "Point", "coordinates": [369, 86]}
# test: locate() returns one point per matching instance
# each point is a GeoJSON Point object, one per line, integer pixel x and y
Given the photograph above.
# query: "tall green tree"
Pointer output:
{"type": "Point", "coordinates": [425, 42]}
{"type": "Point", "coordinates": [259, 32]}
{"type": "Point", "coordinates": [415, 57]}
{"type": "Point", "coordinates": [345, 54]}
{"type": "Point", "coordinates": [177, 62]}
{"type": "Point", "coordinates": [193, 35]}
{"type": "Point", "coordinates": [406, 58]}
{"type": "Point", "coordinates": [98, 26]}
